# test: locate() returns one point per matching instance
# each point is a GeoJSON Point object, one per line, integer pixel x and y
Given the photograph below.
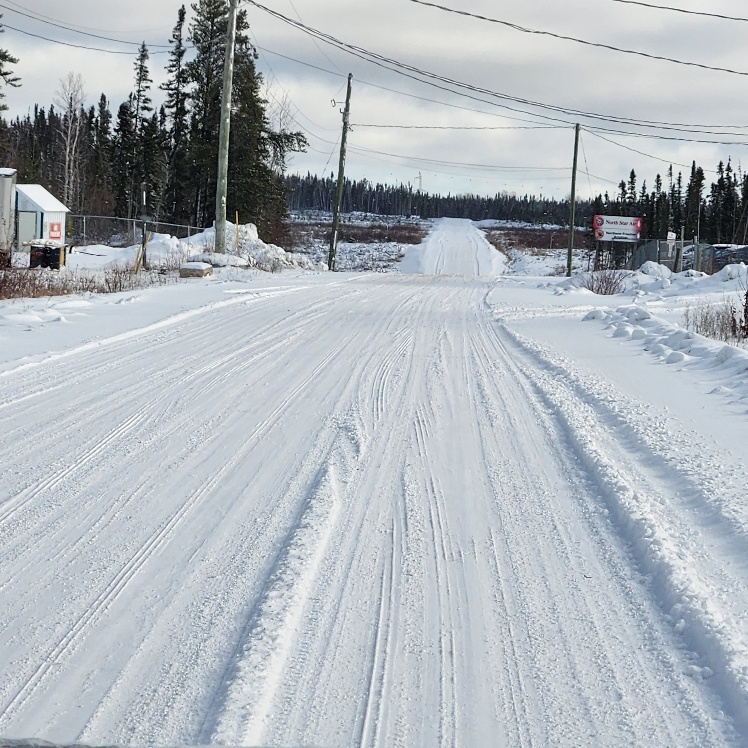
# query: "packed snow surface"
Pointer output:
{"type": "Point", "coordinates": [416, 509]}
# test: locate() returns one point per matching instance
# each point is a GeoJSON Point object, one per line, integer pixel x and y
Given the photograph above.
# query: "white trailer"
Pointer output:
{"type": "Point", "coordinates": [7, 209]}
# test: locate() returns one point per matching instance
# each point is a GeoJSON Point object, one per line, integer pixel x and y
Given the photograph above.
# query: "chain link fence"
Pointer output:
{"type": "Point", "coordinates": [677, 255]}
{"type": "Point", "coordinates": [121, 232]}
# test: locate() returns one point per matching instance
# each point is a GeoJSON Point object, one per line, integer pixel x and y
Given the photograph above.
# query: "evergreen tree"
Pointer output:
{"type": "Point", "coordinates": [154, 147]}
{"type": "Point", "coordinates": [100, 195]}
{"type": "Point", "coordinates": [177, 95]}
{"type": "Point", "coordinates": [257, 153]}
{"type": "Point", "coordinates": [631, 194]}
{"type": "Point", "coordinates": [141, 100]}
{"type": "Point", "coordinates": [6, 73]}
{"type": "Point", "coordinates": [208, 36]}
{"type": "Point", "coordinates": [694, 199]}
{"type": "Point", "coordinates": [255, 188]}
{"type": "Point", "coordinates": [124, 160]}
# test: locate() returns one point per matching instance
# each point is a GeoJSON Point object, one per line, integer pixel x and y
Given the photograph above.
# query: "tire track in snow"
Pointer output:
{"type": "Point", "coordinates": [11, 505]}
{"type": "Point", "coordinates": [257, 672]}
{"type": "Point", "coordinates": [662, 544]}
{"type": "Point", "coordinates": [377, 692]}
{"type": "Point", "coordinates": [151, 412]}
{"type": "Point", "coordinates": [73, 638]}
{"type": "Point", "coordinates": [447, 670]}
{"type": "Point", "coordinates": [119, 692]}
{"type": "Point", "coordinates": [15, 367]}
{"type": "Point", "coordinates": [635, 660]}
{"type": "Point", "coordinates": [321, 674]}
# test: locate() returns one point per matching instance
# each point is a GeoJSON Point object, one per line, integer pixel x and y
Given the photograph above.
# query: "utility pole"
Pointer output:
{"type": "Point", "coordinates": [223, 138]}
{"type": "Point", "coordinates": [573, 207]}
{"type": "Point", "coordinates": [341, 177]}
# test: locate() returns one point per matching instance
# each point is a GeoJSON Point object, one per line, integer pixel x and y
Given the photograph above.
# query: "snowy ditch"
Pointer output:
{"type": "Point", "coordinates": [674, 515]}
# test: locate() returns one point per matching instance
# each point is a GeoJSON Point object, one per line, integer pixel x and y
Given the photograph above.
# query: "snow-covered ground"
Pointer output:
{"type": "Point", "coordinates": [467, 507]}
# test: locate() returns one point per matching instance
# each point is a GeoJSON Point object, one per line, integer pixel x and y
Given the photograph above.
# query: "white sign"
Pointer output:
{"type": "Point", "coordinates": [617, 228]}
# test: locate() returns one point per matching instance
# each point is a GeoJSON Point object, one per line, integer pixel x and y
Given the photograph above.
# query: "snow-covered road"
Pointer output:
{"type": "Point", "coordinates": [380, 510]}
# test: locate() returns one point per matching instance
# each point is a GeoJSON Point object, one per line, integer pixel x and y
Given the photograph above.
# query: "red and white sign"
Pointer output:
{"type": "Point", "coordinates": [617, 228]}
{"type": "Point", "coordinates": [55, 231]}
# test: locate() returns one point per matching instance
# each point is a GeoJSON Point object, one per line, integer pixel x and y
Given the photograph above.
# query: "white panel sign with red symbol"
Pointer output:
{"type": "Point", "coordinates": [55, 231]}
{"type": "Point", "coordinates": [617, 228]}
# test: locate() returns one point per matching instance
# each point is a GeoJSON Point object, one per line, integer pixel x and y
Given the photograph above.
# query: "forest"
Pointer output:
{"type": "Point", "coordinates": [101, 161]}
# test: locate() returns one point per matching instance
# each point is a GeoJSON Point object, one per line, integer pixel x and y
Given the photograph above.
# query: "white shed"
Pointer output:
{"type": "Point", "coordinates": [40, 214]}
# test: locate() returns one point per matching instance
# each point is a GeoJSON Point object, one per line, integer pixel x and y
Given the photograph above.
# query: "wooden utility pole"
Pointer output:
{"type": "Point", "coordinates": [341, 178]}
{"type": "Point", "coordinates": [573, 206]}
{"type": "Point", "coordinates": [223, 138]}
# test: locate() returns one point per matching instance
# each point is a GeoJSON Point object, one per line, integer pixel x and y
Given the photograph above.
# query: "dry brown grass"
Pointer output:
{"type": "Point", "coordinates": [24, 283]}
{"type": "Point", "coordinates": [539, 241]}
{"type": "Point", "coordinates": [306, 233]}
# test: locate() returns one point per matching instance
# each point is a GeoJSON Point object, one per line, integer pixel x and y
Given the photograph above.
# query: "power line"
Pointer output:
{"type": "Point", "coordinates": [76, 31]}
{"type": "Point", "coordinates": [634, 150]}
{"type": "Point", "coordinates": [77, 46]}
{"type": "Point", "coordinates": [585, 42]}
{"type": "Point", "coordinates": [651, 136]}
{"type": "Point", "coordinates": [404, 93]}
{"type": "Point", "coordinates": [441, 162]}
{"type": "Point", "coordinates": [683, 10]}
{"type": "Point", "coordinates": [321, 51]}
{"type": "Point", "coordinates": [458, 127]}
{"type": "Point", "coordinates": [76, 26]}
{"type": "Point", "coordinates": [436, 80]}
{"type": "Point", "coordinates": [676, 127]}
{"type": "Point", "coordinates": [286, 93]}
{"type": "Point", "coordinates": [601, 179]}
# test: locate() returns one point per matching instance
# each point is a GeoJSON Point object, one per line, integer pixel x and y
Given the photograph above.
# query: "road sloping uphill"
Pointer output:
{"type": "Point", "coordinates": [366, 512]}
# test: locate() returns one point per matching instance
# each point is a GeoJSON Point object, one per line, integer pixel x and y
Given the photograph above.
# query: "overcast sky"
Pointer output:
{"type": "Point", "coordinates": [310, 75]}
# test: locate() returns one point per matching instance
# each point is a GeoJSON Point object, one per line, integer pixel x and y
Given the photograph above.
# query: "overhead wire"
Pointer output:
{"type": "Point", "coordinates": [586, 165]}
{"type": "Point", "coordinates": [585, 42]}
{"type": "Point", "coordinates": [595, 130]}
{"type": "Point", "coordinates": [635, 150]}
{"type": "Point", "coordinates": [460, 127]}
{"type": "Point", "coordinates": [76, 26]}
{"type": "Point", "coordinates": [435, 80]}
{"type": "Point", "coordinates": [321, 51]}
{"type": "Point", "coordinates": [380, 87]}
{"type": "Point", "coordinates": [286, 93]}
{"type": "Point", "coordinates": [78, 46]}
{"type": "Point", "coordinates": [683, 10]}
{"type": "Point", "coordinates": [77, 31]}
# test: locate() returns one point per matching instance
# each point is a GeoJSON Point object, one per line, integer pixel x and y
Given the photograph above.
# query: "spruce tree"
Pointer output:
{"type": "Point", "coordinates": [205, 70]}
{"type": "Point", "coordinates": [255, 188]}
{"type": "Point", "coordinates": [6, 73]}
{"type": "Point", "coordinates": [101, 195]}
{"type": "Point", "coordinates": [141, 100]}
{"type": "Point", "coordinates": [124, 160]}
{"type": "Point", "coordinates": [177, 95]}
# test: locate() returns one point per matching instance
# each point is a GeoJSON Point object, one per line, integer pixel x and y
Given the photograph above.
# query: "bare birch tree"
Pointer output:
{"type": "Point", "coordinates": [70, 99]}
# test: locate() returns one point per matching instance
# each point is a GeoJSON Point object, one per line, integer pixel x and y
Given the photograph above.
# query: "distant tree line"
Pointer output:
{"type": "Point", "coordinates": [101, 162]}
{"type": "Point", "coordinates": [721, 216]}
{"type": "Point", "coordinates": [311, 192]}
